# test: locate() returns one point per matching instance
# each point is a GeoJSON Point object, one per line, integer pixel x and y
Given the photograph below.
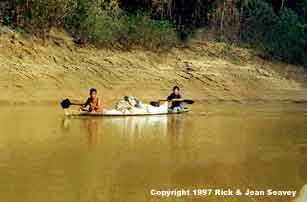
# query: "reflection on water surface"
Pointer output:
{"type": "Point", "coordinates": [46, 157]}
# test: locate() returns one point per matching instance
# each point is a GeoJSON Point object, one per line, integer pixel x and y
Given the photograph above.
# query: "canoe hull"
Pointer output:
{"type": "Point", "coordinates": [77, 113]}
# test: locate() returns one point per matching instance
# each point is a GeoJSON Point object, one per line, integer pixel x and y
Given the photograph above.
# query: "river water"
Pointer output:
{"type": "Point", "coordinates": [45, 157]}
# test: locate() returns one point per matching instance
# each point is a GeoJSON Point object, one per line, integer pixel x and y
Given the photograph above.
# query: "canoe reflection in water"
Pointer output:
{"type": "Point", "coordinates": [91, 126]}
{"type": "Point", "coordinates": [138, 130]}
{"type": "Point", "coordinates": [132, 128]}
{"type": "Point", "coordinates": [176, 130]}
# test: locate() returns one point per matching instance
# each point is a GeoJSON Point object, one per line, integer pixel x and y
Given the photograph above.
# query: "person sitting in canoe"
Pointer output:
{"type": "Point", "coordinates": [175, 98]}
{"type": "Point", "coordinates": [92, 103]}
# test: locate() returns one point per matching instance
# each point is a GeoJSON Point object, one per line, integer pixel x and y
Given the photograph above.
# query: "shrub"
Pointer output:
{"type": "Point", "coordinates": [127, 30]}
{"type": "Point", "coordinates": [141, 30]}
{"type": "Point", "coordinates": [257, 24]}
{"type": "Point", "coordinates": [279, 34]}
{"type": "Point", "coordinates": [105, 24]}
{"type": "Point", "coordinates": [101, 29]}
{"type": "Point", "coordinates": [288, 39]}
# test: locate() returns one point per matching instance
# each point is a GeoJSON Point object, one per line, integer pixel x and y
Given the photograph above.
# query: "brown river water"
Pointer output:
{"type": "Point", "coordinates": [45, 157]}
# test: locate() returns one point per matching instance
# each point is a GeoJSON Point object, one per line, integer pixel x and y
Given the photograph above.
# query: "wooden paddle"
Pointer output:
{"type": "Point", "coordinates": [157, 103]}
{"type": "Point", "coordinates": [66, 104]}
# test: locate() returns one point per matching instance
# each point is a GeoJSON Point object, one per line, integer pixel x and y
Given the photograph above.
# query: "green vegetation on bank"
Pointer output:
{"type": "Point", "coordinates": [98, 22]}
{"type": "Point", "coordinates": [278, 28]}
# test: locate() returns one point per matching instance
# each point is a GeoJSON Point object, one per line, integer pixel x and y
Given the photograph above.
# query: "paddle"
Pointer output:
{"type": "Point", "coordinates": [184, 100]}
{"type": "Point", "coordinates": [66, 104]}
{"type": "Point", "coordinates": [157, 103]}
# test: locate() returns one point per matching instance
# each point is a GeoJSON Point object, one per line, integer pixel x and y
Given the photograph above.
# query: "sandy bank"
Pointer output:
{"type": "Point", "coordinates": [33, 70]}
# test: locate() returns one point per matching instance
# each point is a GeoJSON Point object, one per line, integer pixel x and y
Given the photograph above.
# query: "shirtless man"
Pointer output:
{"type": "Point", "coordinates": [92, 103]}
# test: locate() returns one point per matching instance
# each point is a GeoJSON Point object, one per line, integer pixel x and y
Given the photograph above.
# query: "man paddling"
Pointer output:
{"type": "Point", "coordinates": [92, 103]}
{"type": "Point", "coordinates": [175, 98]}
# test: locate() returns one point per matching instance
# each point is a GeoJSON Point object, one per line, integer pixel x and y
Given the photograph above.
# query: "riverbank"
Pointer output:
{"type": "Point", "coordinates": [33, 70]}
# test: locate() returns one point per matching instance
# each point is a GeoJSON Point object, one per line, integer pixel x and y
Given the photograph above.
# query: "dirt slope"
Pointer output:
{"type": "Point", "coordinates": [35, 70]}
